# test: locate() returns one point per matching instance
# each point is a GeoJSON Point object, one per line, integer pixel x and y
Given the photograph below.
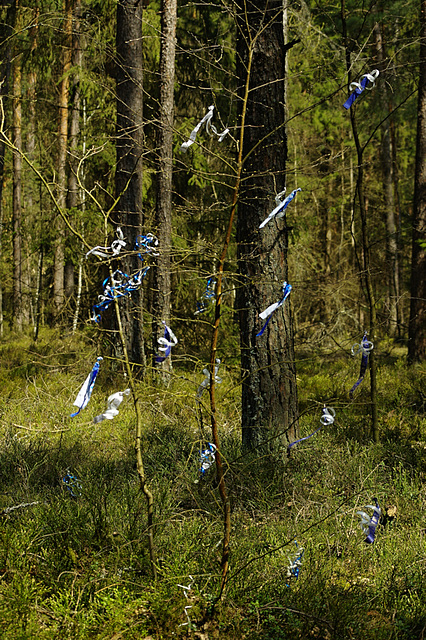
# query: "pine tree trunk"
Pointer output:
{"type": "Point", "coordinates": [17, 320]}
{"type": "Point", "coordinates": [128, 176]}
{"type": "Point", "coordinates": [417, 326]}
{"type": "Point", "coordinates": [163, 214]}
{"type": "Point", "coordinates": [269, 393]}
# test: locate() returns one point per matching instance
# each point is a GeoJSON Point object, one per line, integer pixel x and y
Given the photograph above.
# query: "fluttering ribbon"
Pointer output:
{"type": "Point", "coordinates": [113, 402]}
{"type": "Point", "coordinates": [368, 523]}
{"type": "Point", "coordinates": [207, 457]}
{"type": "Point", "coordinates": [186, 590]}
{"type": "Point", "coordinates": [112, 251]}
{"type": "Point", "coordinates": [327, 418]}
{"type": "Point", "coordinates": [167, 343]}
{"type": "Point", "coordinates": [146, 246]}
{"type": "Point", "coordinates": [295, 564]}
{"type": "Point", "coordinates": [117, 286]}
{"type": "Point", "coordinates": [207, 297]}
{"type": "Point", "coordinates": [72, 483]}
{"type": "Point", "coordinates": [210, 129]}
{"type": "Point", "coordinates": [279, 211]}
{"type": "Point", "coordinates": [273, 307]}
{"type": "Point", "coordinates": [364, 348]}
{"type": "Point", "coordinates": [360, 86]}
{"type": "Point", "coordinates": [85, 392]}
{"type": "Point", "coordinates": [206, 382]}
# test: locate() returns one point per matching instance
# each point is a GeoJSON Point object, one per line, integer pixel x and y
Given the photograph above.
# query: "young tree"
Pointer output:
{"type": "Point", "coordinates": [128, 176]}
{"type": "Point", "coordinates": [269, 393]}
{"type": "Point", "coordinates": [417, 326]}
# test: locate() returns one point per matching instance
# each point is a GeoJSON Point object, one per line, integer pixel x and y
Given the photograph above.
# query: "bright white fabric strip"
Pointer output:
{"type": "Point", "coordinates": [113, 403]}
{"type": "Point", "coordinates": [210, 128]}
{"type": "Point", "coordinates": [112, 251]}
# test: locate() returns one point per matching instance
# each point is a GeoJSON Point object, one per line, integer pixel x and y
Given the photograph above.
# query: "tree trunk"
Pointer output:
{"type": "Point", "coordinates": [128, 176]}
{"type": "Point", "coordinates": [59, 253]}
{"type": "Point", "coordinates": [17, 320]}
{"type": "Point", "coordinates": [417, 326]}
{"type": "Point", "coordinates": [163, 214]}
{"type": "Point", "coordinates": [269, 393]}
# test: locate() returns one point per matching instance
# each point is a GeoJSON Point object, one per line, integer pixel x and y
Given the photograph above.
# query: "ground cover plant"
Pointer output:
{"type": "Point", "coordinates": [78, 567]}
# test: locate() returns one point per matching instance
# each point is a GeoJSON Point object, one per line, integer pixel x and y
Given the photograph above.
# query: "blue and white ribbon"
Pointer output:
{"type": "Point", "coordinates": [112, 251]}
{"type": "Point", "coordinates": [117, 286]}
{"type": "Point", "coordinates": [210, 129]}
{"type": "Point", "coordinates": [360, 86]}
{"type": "Point", "coordinates": [364, 348]}
{"type": "Point", "coordinates": [72, 483]}
{"type": "Point", "coordinates": [146, 246]}
{"type": "Point", "coordinates": [279, 211]}
{"type": "Point", "coordinates": [113, 403]}
{"type": "Point", "coordinates": [167, 343]}
{"type": "Point", "coordinates": [207, 457]}
{"type": "Point", "coordinates": [368, 523]}
{"type": "Point", "coordinates": [273, 307]}
{"type": "Point", "coordinates": [327, 418]}
{"type": "Point", "coordinates": [85, 392]}
{"type": "Point", "coordinates": [295, 564]}
{"type": "Point", "coordinates": [206, 382]}
{"type": "Point", "coordinates": [207, 297]}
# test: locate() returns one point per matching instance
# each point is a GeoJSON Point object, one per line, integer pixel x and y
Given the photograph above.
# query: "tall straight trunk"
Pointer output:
{"type": "Point", "coordinates": [392, 269]}
{"type": "Point", "coordinates": [163, 213]}
{"type": "Point", "coordinates": [417, 326]}
{"type": "Point", "coordinates": [59, 251]}
{"type": "Point", "coordinates": [269, 392]}
{"type": "Point", "coordinates": [128, 175]}
{"type": "Point", "coordinates": [18, 319]}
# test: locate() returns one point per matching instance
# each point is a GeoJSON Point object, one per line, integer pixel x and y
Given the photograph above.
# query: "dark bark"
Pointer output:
{"type": "Point", "coordinates": [269, 393]}
{"type": "Point", "coordinates": [417, 326]}
{"type": "Point", "coordinates": [128, 176]}
{"type": "Point", "coordinates": [17, 319]}
{"type": "Point", "coordinates": [163, 214]}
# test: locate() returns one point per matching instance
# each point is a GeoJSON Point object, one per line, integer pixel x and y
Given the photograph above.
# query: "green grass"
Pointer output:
{"type": "Point", "coordinates": [79, 567]}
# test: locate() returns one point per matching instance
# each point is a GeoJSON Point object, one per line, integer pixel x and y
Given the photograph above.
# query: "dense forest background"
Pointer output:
{"type": "Point", "coordinates": [97, 98]}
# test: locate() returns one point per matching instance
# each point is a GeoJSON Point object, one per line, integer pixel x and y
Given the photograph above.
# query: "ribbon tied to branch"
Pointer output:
{"type": "Point", "coordinates": [85, 392]}
{"type": "Point", "coordinates": [207, 297]}
{"type": "Point", "coordinates": [279, 211]}
{"type": "Point", "coordinates": [210, 129]}
{"type": "Point", "coordinates": [206, 382]}
{"type": "Point", "coordinates": [167, 342]}
{"type": "Point", "coordinates": [327, 418]}
{"type": "Point", "coordinates": [364, 348]}
{"type": "Point", "coordinates": [113, 402]}
{"type": "Point", "coordinates": [295, 564]}
{"type": "Point", "coordinates": [368, 523]}
{"type": "Point", "coordinates": [273, 307]}
{"type": "Point", "coordinates": [112, 251]}
{"type": "Point", "coordinates": [360, 86]}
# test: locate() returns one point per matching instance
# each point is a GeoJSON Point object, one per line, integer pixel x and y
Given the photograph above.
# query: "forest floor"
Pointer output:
{"type": "Point", "coordinates": [77, 567]}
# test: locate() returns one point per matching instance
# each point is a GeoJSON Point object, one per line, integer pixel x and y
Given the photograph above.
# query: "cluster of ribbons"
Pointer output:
{"type": "Point", "coordinates": [210, 129]}
{"type": "Point", "coordinates": [207, 457]}
{"type": "Point", "coordinates": [358, 87]}
{"type": "Point", "coordinates": [295, 564]}
{"type": "Point", "coordinates": [167, 342]}
{"type": "Point", "coordinates": [364, 348]}
{"type": "Point", "coordinates": [369, 523]}
{"type": "Point", "coordinates": [112, 251]}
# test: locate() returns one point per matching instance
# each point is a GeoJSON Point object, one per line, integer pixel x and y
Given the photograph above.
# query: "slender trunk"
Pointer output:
{"type": "Point", "coordinates": [417, 325]}
{"type": "Point", "coordinates": [128, 176]}
{"type": "Point", "coordinates": [18, 319]}
{"type": "Point", "coordinates": [163, 214]}
{"type": "Point", "coordinates": [59, 251]}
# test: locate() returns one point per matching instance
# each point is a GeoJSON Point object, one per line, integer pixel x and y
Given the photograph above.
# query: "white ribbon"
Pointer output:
{"type": "Point", "coordinates": [279, 211]}
{"type": "Point", "coordinates": [113, 403]}
{"type": "Point", "coordinates": [167, 343]}
{"type": "Point", "coordinates": [210, 128]}
{"type": "Point", "coordinates": [115, 248]}
{"type": "Point", "coordinates": [85, 392]}
{"type": "Point", "coordinates": [328, 415]}
{"type": "Point", "coordinates": [371, 77]}
{"type": "Point", "coordinates": [206, 382]}
{"type": "Point", "coordinates": [273, 307]}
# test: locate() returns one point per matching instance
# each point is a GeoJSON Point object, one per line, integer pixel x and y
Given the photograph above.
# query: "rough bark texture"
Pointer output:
{"type": "Point", "coordinates": [58, 271]}
{"type": "Point", "coordinates": [163, 213]}
{"type": "Point", "coordinates": [17, 197]}
{"type": "Point", "coordinates": [128, 177]}
{"type": "Point", "coordinates": [269, 394]}
{"type": "Point", "coordinates": [417, 326]}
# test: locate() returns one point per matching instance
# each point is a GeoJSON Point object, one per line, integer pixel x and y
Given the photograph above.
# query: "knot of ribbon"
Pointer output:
{"type": "Point", "coordinates": [117, 286]}
{"type": "Point", "coordinates": [360, 86]}
{"type": "Point", "coordinates": [295, 564]}
{"type": "Point", "coordinates": [364, 348]}
{"type": "Point", "coordinates": [273, 307]}
{"type": "Point", "coordinates": [146, 246]}
{"type": "Point", "coordinates": [327, 417]}
{"type": "Point", "coordinates": [168, 341]}
{"type": "Point", "coordinates": [72, 483]}
{"type": "Point", "coordinates": [85, 392]}
{"type": "Point", "coordinates": [207, 457]}
{"type": "Point", "coordinates": [279, 211]}
{"type": "Point", "coordinates": [368, 523]}
{"type": "Point", "coordinates": [210, 129]}
{"type": "Point", "coordinates": [113, 402]}
{"type": "Point", "coordinates": [206, 382]}
{"type": "Point", "coordinates": [112, 251]}
{"type": "Point", "coordinates": [207, 297]}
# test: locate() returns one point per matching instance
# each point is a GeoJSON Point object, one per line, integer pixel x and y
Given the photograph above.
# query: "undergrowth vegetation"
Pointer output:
{"type": "Point", "coordinates": [78, 567]}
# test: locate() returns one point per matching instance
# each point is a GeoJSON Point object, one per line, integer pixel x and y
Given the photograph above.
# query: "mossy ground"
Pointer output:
{"type": "Point", "coordinates": [79, 567]}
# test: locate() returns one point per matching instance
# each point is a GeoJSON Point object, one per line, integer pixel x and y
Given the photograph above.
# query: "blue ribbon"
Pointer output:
{"type": "Point", "coordinates": [327, 418]}
{"type": "Point", "coordinates": [207, 297]}
{"type": "Point", "coordinates": [145, 246]}
{"type": "Point", "coordinates": [360, 86]}
{"type": "Point", "coordinates": [117, 286]}
{"type": "Point", "coordinates": [207, 457]}
{"type": "Point", "coordinates": [295, 564]}
{"type": "Point", "coordinates": [365, 347]}
{"type": "Point", "coordinates": [368, 525]}
{"type": "Point", "coordinates": [169, 341]}
{"type": "Point", "coordinates": [279, 210]}
{"type": "Point", "coordinates": [273, 307]}
{"type": "Point", "coordinates": [85, 392]}
{"type": "Point", "coordinates": [72, 484]}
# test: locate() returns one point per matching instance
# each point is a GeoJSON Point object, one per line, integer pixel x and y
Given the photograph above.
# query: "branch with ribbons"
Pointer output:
{"type": "Point", "coordinates": [327, 418]}
{"type": "Point", "coordinates": [360, 86]}
{"type": "Point", "coordinates": [273, 307]}
{"type": "Point", "coordinates": [167, 342]}
{"type": "Point", "coordinates": [279, 211]}
{"type": "Point", "coordinates": [210, 129]}
{"type": "Point", "coordinates": [364, 348]}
